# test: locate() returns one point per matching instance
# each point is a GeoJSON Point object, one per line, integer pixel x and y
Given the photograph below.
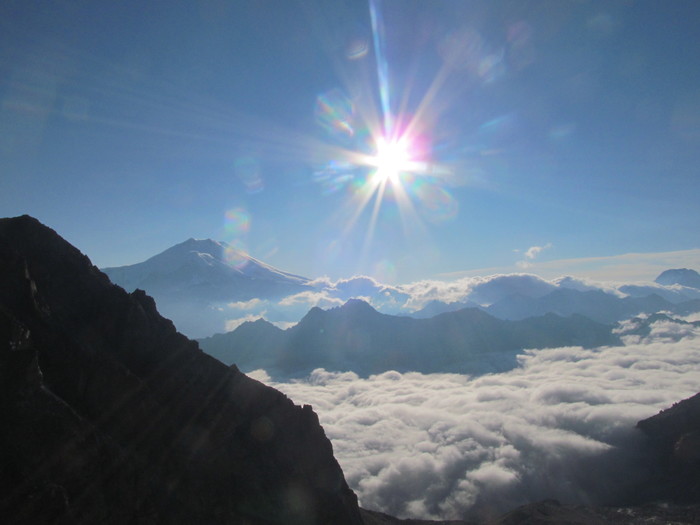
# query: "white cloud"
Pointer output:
{"type": "Point", "coordinates": [530, 254]}
{"type": "Point", "coordinates": [446, 445]}
{"type": "Point", "coordinates": [322, 299]}
{"type": "Point", "coordinates": [534, 251]}
{"type": "Point", "coordinates": [246, 305]}
{"type": "Point", "coordinates": [692, 317]}
{"type": "Point", "coordinates": [661, 331]}
{"type": "Point", "coordinates": [283, 325]}
{"type": "Point", "coordinates": [232, 324]}
{"type": "Point", "coordinates": [481, 290]}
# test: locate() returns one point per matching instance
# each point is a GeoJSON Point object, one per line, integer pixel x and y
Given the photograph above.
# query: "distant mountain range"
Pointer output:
{"type": "Point", "coordinates": [597, 304]}
{"type": "Point", "coordinates": [356, 337]}
{"type": "Point", "coordinates": [208, 287]}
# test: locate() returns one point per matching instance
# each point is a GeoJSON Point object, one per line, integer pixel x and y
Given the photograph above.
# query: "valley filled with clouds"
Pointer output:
{"type": "Point", "coordinates": [561, 425]}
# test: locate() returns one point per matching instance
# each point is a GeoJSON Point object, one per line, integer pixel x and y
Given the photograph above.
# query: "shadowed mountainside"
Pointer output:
{"type": "Point", "coordinates": [356, 337]}
{"type": "Point", "coordinates": [675, 436]}
{"type": "Point", "coordinates": [111, 416]}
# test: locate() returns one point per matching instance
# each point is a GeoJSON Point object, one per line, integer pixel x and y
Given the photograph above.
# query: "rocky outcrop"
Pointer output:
{"type": "Point", "coordinates": [551, 512]}
{"type": "Point", "coordinates": [675, 456]}
{"type": "Point", "coordinates": [109, 415]}
{"type": "Point", "coordinates": [371, 517]}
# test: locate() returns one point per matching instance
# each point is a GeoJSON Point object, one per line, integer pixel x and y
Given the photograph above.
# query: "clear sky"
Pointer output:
{"type": "Point", "coordinates": [396, 138]}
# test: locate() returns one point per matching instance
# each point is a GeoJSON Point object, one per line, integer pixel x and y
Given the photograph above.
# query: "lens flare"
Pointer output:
{"type": "Point", "coordinates": [247, 169]}
{"type": "Point", "coordinates": [236, 228]}
{"type": "Point", "coordinates": [335, 112]}
{"type": "Point", "coordinates": [237, 222]}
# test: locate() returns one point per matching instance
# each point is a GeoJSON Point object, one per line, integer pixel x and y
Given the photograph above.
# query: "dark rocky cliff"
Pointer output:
{"type": "Point", "coordinates": [675, 440]}
{"type": "Point", "coordinates": [109, 415]}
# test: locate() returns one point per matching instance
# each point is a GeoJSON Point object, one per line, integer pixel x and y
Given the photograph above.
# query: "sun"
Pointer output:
{"type": "Point", "coordinates": [392, 157]}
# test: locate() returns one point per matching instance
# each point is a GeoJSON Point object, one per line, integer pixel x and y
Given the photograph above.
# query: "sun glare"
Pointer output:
{"type": "Point", "coordinates": [391, 159]}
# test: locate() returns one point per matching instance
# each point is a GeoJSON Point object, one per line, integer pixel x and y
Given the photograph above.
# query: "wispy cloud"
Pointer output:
{"type": "Point", "coordinates": [232, 324]}
{"type": "Point", "coordinates": [308, 299]}
{"type": "Point", "coordinates": [533, 251]}
{"type": "Point", "coordinates": [530, 254]}
{"type": "Point", "coordinates": [246, 305]}
{"type": "Point", "coordinates": [624, 267]}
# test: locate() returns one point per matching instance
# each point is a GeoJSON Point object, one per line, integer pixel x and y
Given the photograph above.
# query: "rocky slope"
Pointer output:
{"type": "Point", "coordinates": [675, 437]}
{"type": "Point", "coordinates": [111, 416]}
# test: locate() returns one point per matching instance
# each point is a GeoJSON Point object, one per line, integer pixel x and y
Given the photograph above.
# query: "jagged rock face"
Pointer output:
{"type": "Point", "coordinates": [108, 415]}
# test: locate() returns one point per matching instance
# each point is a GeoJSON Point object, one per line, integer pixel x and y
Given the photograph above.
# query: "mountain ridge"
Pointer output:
{"type": "Point", "coordinates": [357, 337]}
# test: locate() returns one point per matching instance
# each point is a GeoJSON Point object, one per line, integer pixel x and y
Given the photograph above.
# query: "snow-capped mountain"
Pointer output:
{"type": "Point", "coordinates": [205, 267]}
{"type": "Point", "coordinates": [191, 280]}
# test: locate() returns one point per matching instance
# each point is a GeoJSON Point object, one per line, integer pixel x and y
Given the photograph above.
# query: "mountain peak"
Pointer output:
{"type": "Point", "coordinates": [358, 305]}
{"type": "Point", "coordinates": [682, 276]}
{"type": "Point", "coordinates": [209, 246]}
{"type": "Point", "coordinates": [355, 308]}
{"type": "Point", "coordinates": [189, 280]}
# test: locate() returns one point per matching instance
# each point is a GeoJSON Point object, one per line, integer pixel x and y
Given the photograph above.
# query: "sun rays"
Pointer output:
{"type": "Point", "coordinates": [386, 157]}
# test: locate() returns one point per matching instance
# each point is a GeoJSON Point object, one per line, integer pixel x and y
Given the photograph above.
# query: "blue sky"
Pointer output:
{"type": "Point", "coordinates": [568, 126]}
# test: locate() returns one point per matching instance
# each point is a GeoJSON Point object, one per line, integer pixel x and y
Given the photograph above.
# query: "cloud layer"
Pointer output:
{"type": "Point", "coordinates": [447, 446]}
{"type": "Point", "coordinates": [406, 299]}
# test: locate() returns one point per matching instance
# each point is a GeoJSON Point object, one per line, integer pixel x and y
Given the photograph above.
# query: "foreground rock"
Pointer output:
{"type": "Point", "coordinates": [552, 512]}
{"type": "Point", "coordinates": [675, 437]}
{"type": "Point", "coordinates": [108, 415]}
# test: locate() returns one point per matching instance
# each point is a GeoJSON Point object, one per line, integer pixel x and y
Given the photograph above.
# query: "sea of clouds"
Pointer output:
{"type": "Point", "coordinates": [561, 426]}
